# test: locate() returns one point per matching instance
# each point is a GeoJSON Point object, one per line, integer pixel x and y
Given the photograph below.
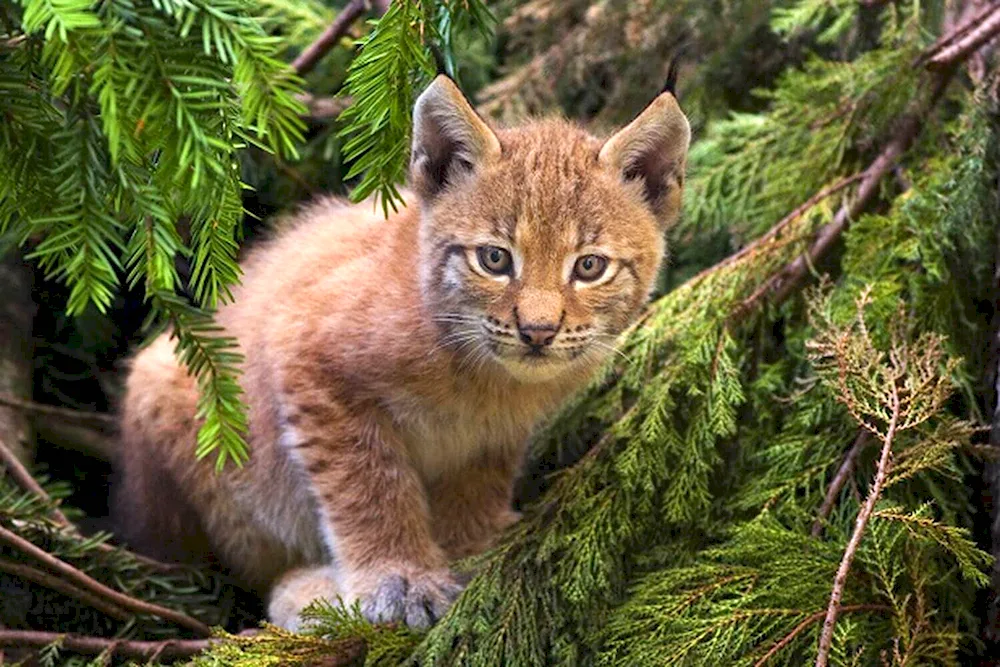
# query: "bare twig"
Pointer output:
{"type": "Point", "coordinates": [85, 432]}
{"type": "Point", "coordinates": [826, 639]}
{"type": "Point", "coordinates": [313, 53]}
{"type": "Point", "coordinates": [837, 484]}
{"type": "Point", "coordinates": [23, 478]}
{"type": "Point", "coordinates": [348, 651]}
{"type": "Point", "coordinates": [171, 648]}
{"type": "Point", "coordinates": [84, 581]}
{"type": "Point", "coordinates": [956, 34]}
{"type": "Point", "coordinates": [76, 416]}
{"type": "Point", "coordinates": [54, 583]}
{"type": "Point", "coordinates": [809, 620]}
{"type": "Point", "coordinates": [985, 30]}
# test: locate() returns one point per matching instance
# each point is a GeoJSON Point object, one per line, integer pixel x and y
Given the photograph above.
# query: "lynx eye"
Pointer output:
{"type": "Point", "coordinates": [495, 260]}
{"type": "Point", "coordinates": [590, 267]}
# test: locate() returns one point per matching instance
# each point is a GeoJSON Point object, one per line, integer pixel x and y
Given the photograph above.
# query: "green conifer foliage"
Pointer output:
{"type": "Point", "coordinates": [123, 122]}
{"type": "Point", "coordinates": [691, 530]}
{"type": "Point", "coordinates": [760, 452]}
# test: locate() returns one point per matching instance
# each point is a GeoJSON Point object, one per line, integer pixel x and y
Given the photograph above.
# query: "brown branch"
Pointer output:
{"type": "Point", "coordinates": [84, 581]}
{"type": "Point", "coordinates": [77, 416]}
{"type": "Point", "coordinates": [840, 479]}
{"type": "Point", "coordinates": [772, 233]}
{"type": "Point", "coordinates": [54, 583]}
{"type": "Point", "coordinates": [171, 648]}
{"type": "Point", "coordinates": [23, 478]}
{"type": "Point", "coordinates": [12, 42]}
{"type": "Point", "coordinates": [313, 53]}
{"type": "Point", "coordinates": [85, 432]}
{"type": "Point", "coordinates": [826, 639]}
{"type": "Point", "coordinates": [985, 30]}
{"type": "Point", "coordinates": [956, 34]}
{"type": "Point", "coordinates": [348, 651]}
{"type": "Point", "coordinates": [782, 284]}
{"type": "Point", "coordinates": [809, 620]}
{"type": "Point", "coordinates": [779, 286]}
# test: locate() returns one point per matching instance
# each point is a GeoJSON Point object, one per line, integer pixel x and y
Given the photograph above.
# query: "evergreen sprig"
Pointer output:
{"type": "Point", "coordinates": [124, 121]}
{"type": "Point", "coordinates": [394, 61]}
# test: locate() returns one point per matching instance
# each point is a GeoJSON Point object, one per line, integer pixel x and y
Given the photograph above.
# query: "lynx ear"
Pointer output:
{"type": "Point", "coordinates": [652, 149]}
{"type": "Point", "coordinates": [449, 138]}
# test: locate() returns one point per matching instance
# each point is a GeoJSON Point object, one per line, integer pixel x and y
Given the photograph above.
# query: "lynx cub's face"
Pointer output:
{"type": "Point", "coordinates": [539, 245]}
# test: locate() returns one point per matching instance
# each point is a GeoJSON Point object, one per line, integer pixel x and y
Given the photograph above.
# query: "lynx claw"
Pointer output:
{"type": "Point", "coordinates": [418, 601]}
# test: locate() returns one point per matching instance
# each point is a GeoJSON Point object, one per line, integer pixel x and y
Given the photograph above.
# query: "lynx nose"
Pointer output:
{"type": "Point", "coordinates": [537, 336]}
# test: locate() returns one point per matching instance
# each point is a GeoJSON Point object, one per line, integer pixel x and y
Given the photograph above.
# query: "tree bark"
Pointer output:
{"type": "Point", "coordinates": [17, 311]}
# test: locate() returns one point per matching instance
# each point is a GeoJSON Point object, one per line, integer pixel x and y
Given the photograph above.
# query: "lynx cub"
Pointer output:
{"type": "Point", "coordinates": [395, 368]}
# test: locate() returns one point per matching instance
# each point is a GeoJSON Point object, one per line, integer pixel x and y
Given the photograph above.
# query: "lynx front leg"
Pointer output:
{"type": "Point", "coordinates": [473, 505]}
{"type": "Point", "coordinates": [373, 515]}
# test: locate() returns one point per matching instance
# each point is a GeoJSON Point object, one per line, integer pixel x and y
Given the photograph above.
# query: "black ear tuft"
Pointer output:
{"type": "Point", "coordinates": [671, 85]}
{"type": "Point", "coordinates": [439, 61]}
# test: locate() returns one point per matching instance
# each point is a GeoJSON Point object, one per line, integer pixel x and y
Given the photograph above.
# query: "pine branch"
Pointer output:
{"type": "Point", "coordinates": [23, 478]}
{"type": "Point", "coordinates": [784, 283]}
{"type": "Point", "coordinates": [844, 473]}
{"type": "Point", "coordinates": [826, 639]}
{"type": "Point", "coordinates": [310, 57]}
{"type": "Point", "coordinates": [780, 226]}
{"type": "Point", "coordinates": [88, 583]}
{"type": "Point", "coordinates": [781, 285]}
{"type": "Point", "coordinates": [125, 648]}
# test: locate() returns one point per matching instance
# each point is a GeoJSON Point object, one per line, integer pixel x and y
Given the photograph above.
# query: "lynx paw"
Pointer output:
{"type": "Point", "coordinates": [417, 600]}
{"type": "Point", "coordinates": [295, 590]}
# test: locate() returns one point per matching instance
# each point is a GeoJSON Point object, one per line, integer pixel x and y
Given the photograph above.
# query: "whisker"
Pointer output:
{"type": "Point", "coordinates": [612, 348]}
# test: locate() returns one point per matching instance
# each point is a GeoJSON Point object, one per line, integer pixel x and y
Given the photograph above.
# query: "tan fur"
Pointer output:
{"type": "Point", "coordinates": [390, 395]}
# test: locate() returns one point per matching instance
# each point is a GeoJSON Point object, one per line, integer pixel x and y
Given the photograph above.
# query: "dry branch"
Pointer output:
{"type": "Point", "coordinates": [780, 226]}
{"type": "Point", "coordinates": [976, 37]}
{"type": "Point", "coordinates": [86, 582]}
{"type": "Point", "coordinates": [173, 648]}
{"type": "Point", "coordinates": [779, 286]}
{"type": "Point", "coordinates": [54, 583]}
{"type": "Point", "coordinates": [348, 651]}
{"type": "Point", "coordinates": [323, 108]}
{"type": "Point", "coordinates": [958, 33]}
{"type": "Point", "coordinates": [834, 608]}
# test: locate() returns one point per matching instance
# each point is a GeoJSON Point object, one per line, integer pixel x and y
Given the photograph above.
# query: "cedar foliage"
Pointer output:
{"type": "Point", "coordinates": [684, 509]}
